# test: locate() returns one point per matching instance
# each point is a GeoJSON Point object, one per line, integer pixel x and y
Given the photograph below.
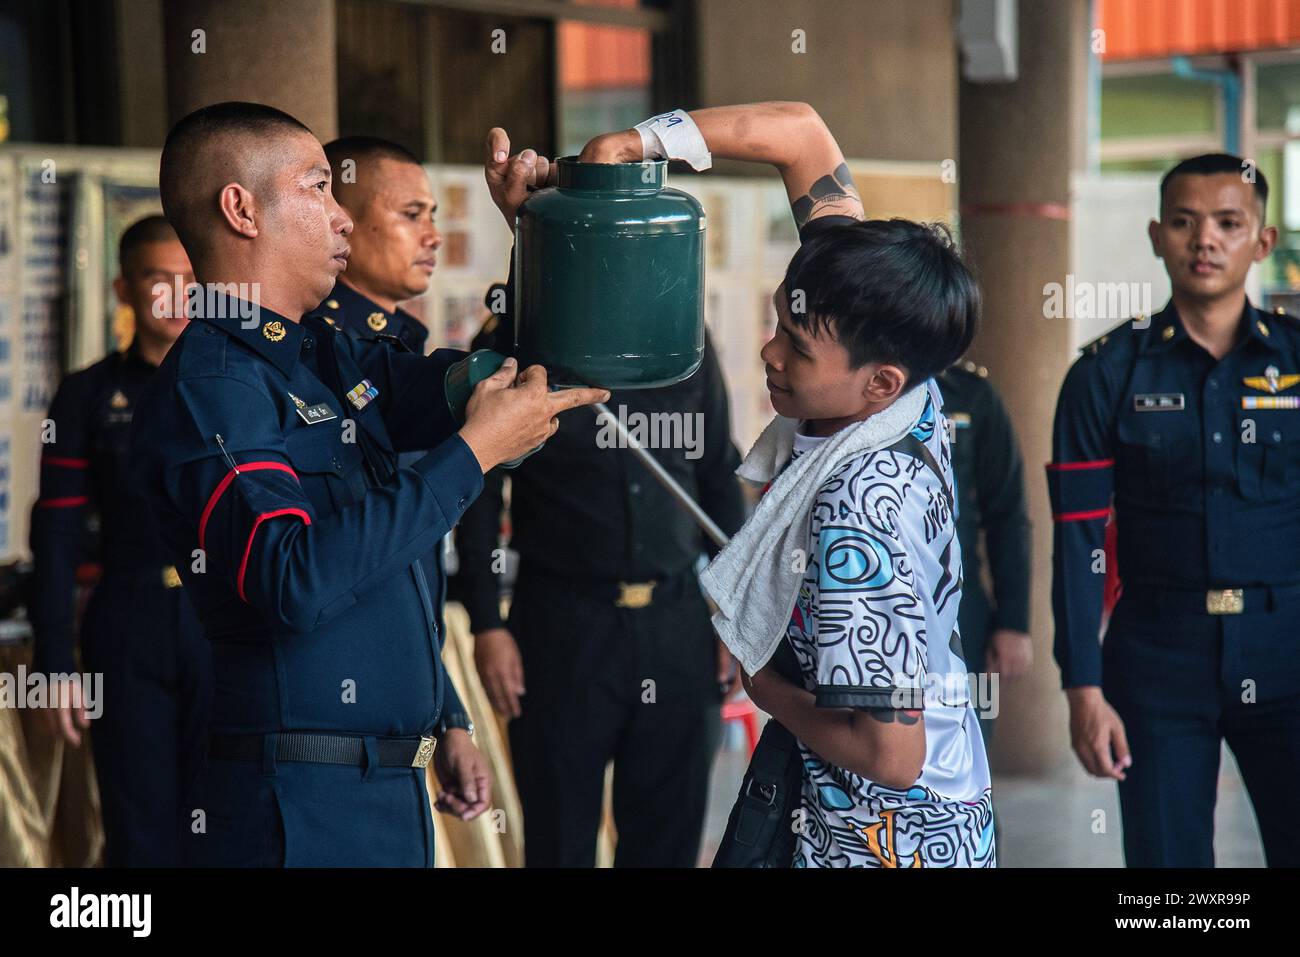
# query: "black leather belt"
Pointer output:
{"type": "Point", "coordinates": [1215, 601]}
{"type": "Point", "coordinates": [620, 594]}
{"type": "Point", "coordinates": [164, 576]}
{"type": "Point", "coordinates": [324, 749]}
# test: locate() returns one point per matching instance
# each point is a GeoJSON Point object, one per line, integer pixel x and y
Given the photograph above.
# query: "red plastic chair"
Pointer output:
{"type": "Point", "coordinates": [746, 712]}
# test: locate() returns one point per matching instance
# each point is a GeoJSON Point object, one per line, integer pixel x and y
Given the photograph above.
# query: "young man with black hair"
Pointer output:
{"type": "Point", "coordinates": [852, 556]}
{"type": "Point", "coordinates": [139, 630]}
{"type": "Point", "coordinates": [1187, 424]}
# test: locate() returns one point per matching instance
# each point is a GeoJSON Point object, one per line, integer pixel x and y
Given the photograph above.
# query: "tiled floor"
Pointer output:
{"type": "Point", "coordinates": [1048, 822]}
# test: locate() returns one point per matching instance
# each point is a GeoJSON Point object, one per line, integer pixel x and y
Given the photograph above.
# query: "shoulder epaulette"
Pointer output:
{"type": "Point", "coordinates": [1096, 346]}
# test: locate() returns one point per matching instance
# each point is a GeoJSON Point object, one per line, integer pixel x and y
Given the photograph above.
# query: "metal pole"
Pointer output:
{"type": "Point", "coordinates": [667, 481]}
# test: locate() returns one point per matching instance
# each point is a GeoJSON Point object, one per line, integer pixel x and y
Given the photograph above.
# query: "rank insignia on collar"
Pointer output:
{"type": "Point", "coordinates": [119, 400]}
{"type": "Point", "coordinates": [1272, 381]}
{"type": "Point", "coordinates": [1167, 333]}
{"type": "Point", "coordinates": [274, 330]}
{"type": "Point", "coordinates": [332, 304]}
{"type": "Point", "coordinates": [361, 394]}
{"type": "Point", "coordinates": [377, 321]}
{"type": "Point", "coordinates": [1263, 329]}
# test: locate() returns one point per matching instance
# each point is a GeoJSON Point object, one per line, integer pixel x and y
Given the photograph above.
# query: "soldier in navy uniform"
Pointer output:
{"type": "Point", "coordinates": [990, 511]}
{"type": "Point", "coordinates": [268, 444]}
{"type": "Point", "coordinates": [395, 242]}
{"type": "Point", "coordinates": [1188, 424]}
{"type": "Point", "coordinates": [139, 630]}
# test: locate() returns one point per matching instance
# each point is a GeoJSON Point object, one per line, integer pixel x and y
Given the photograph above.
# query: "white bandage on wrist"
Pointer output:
{"type": "Point", "coordinates": [674, 136]}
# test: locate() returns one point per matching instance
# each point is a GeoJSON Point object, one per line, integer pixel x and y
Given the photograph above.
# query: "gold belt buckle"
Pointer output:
{"type": "Point", "coordinates": [1225, 601]}
{"type": "Point", "coordinates": [170, 577]}
{"type": "Point", "coordinates": [425, 753]}
{"type": "Point", "coordinates": [634, 594]}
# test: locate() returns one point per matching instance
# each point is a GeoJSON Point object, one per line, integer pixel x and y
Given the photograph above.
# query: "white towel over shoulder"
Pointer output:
{"type": "Point", "coordinates": [755, 580]}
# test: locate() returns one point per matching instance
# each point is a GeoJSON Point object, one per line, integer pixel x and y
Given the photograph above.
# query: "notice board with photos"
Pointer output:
{"type": "Point", "coordinates": [60, 218]}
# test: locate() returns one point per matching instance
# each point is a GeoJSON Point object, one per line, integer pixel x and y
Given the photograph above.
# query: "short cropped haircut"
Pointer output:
{"type": "Point", "coordinates": [1212, 164]}
{"type": "Point", "coordinates": [361, 149]}
{"type": "Point", "coordinates": [150, 229]}
{"type": "Point", "coordinates": [186, 142]}
{"type": "Point", "coordinates": [892, 291]}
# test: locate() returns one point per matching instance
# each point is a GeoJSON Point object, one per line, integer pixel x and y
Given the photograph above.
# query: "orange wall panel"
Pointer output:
{"type": "Point", "coordinates": [1146, 29]}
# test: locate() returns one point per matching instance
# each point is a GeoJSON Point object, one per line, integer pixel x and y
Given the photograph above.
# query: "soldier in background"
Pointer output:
{"type": "Point", "coordinates": [139, 630]}
{"type": "Point", "coordinates": [990, 500]}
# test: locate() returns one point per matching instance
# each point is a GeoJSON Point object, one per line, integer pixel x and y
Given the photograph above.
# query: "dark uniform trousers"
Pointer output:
{"type": "Point", "coordinates": [632, 685]}
{"type": "Point", "coordinates": [1200, 458]}
{"type": "Point", "coordinates": [139, 631]}
{"type": "Point", "coordinates": [150, 743]}
{"type": "Point", "coordinates": [1181, 682]}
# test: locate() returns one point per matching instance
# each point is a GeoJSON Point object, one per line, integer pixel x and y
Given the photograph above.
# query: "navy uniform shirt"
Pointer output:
{"type": "Point", "coordinates": [359, 316]}
{"type": "Point", "coordinates": [301, 561]}
{"type": "Point", "coordinates": [85, 473]}
{"type": "Point", "coordinates": [990, 490]}
{"type": "Point", "coordinates": [356, 314]}
{"type": "Point", "coordinates": [1199, 457]}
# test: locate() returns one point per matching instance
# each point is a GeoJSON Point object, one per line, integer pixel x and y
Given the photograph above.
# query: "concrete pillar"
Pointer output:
{"type": "Point", "coordinates": [142, 76]}
{"type": "Point", "coordinates": [1019, 143]}
{"type": "Point", "coordinates": [882, 74]}
{"type": "Point", "coordinates": [281, 54]}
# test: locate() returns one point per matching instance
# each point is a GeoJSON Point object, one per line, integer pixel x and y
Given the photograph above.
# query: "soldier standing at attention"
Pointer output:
{"type": "Point", "coordinates": [139, 630]}
{"type": "Point", "coordinates": [1189, 422]}
{"type": "Point", "coordinates": [990, 500]}
{"type": "Point", "coordinates": [385, 191]}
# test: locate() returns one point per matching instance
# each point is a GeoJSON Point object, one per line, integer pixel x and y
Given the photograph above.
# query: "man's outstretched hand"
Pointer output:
{"type": "Point", "coordinates": [511, 178]}
{"type": "Point", "coordinates": [509, 415]}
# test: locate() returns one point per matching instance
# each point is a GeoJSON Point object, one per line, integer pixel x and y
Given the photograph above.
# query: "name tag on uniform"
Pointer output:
{"type": "Point", "coordinates": [312, 414]}
{"type": "Point", "coordinates": [1158, 402]}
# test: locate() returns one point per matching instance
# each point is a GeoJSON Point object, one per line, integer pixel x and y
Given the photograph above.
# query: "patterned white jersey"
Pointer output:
{"type": "Point", "coordinates": [875, 626]}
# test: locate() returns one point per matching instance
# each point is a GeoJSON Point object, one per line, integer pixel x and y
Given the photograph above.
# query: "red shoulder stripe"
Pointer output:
{"type": "Point", "coordinates": [248, 548]}
{"type": "Point", "coordinates": [1076, 466]}
{"type": "Point", "coordinates": [225, 484]}
{"type": "Point", "coordinates": [1081, 516]}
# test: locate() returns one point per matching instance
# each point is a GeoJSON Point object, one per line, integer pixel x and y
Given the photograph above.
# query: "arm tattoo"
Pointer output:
{"type": "Point", "coordinates": [890, 715]}
{"type": "Point", "coordinates": [833, 191]}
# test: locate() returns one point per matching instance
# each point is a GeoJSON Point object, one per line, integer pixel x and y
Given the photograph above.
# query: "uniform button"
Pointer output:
{"type": "Point", "coordinates": [308, 344]}
{"type": "Point", "coordinates": [1218, 436]}
{"type": "Point", "coordinates": [338, 466]}
{"type": "Point", "coordinates": [1214, 383]}
{"type": "Point", "coordinates": [461, 503]}
{"type": "Point", "coordinates": [634, 488]}
{"type": "Point", "coordinates": [1277, 436]}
